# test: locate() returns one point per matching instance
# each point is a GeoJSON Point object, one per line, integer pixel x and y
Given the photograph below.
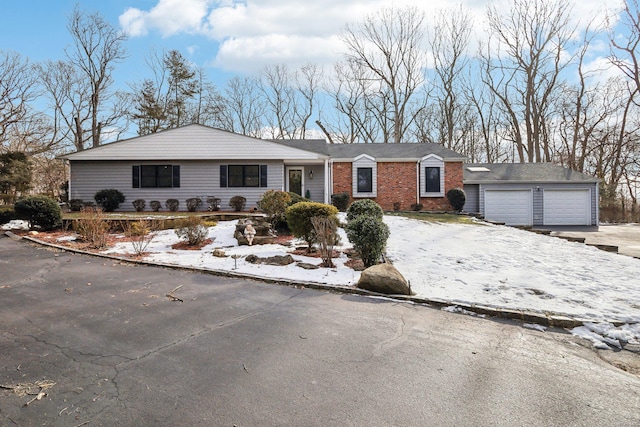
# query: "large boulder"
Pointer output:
{"type": "Point", "coordinates": [384, 279]}
{"type": "Point", "coordinates": [264, 234]}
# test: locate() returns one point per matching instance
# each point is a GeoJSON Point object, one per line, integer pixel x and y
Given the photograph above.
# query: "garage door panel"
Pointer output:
{"type": "Point", "coordinates": [567, 207]}
{"type": "Point", "coordinates": [513, 207]}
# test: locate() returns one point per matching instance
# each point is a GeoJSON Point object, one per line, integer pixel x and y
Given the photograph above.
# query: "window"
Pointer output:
{"type": "Point", "coordinates": [243, 175]}
{"type": "Point", "coordinates": [365, 180]}
{"type": "Point", "coordinates": [432, 181]}
{"type": "Point", "coordinates": [156, 176]}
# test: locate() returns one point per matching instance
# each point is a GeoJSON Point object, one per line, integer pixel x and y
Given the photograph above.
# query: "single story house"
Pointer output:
{"type": "Point", "coordinates": [531, 194]}
{"type": "Point", "coordinates": [199, 161]}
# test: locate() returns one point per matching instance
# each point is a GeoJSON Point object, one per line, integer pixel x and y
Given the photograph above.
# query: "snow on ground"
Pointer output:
{"type": "Point", "coordinates": [465, 264]}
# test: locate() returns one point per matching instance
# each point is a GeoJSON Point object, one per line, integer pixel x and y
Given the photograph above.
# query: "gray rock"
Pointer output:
{"type": "Point", "coordinates": [384, 279]}
{"type": "Point", "coordinates": [272, 260]}
{"type": "Point", "coordinates": [307, 266]}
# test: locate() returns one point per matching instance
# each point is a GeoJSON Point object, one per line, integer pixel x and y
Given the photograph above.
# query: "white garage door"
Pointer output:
{"type": "Point", "coordinates": [513, 207]}
{"type": "Point", "coordinates": [567, 207]}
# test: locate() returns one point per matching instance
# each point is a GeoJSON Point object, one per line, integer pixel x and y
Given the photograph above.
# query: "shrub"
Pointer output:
{"type": "Point", "coordinates": [238, 203]}
{"type": "Point", "coordinates": [109, 200]}
{"type": "Point", "coordinates": [296, 198]}
{"type": "Point", "coordinates": [140, 233]}
{"type": "Point", "coordinates": [40, 211]}
{"type": "Point", "coordinates": [193, 204]}
{"type": "Point", "coordinates": [299, 219]}
{"type": "Point", "coordinates": [416, 207]}
{"type": "Point", "coordinates": [274, 204]}
{"type": "Point", "coordinates": [364, 207]}
{"type": "Point", "coordinates": [7, 213]}
{"type": "Point", "coordinates": [213, 203]}
{"type": "Point", "coordinates": [340, 201]}
{"type": "Point", "coordinates": [369, 237]}
{"type": "Point", "coordinates": [92, 227]}
{"type": "Point", "coordinates": [456, 198]}
{"type": "Point", "coordinates": [75, 205]}
{"type": "Point", "coordinates": [155, 205]}
{"type": "Point", "coordinates": [172, 205]}
{"type": "Point", "coordinates": [325, 229]}
{"type": "Point", "coordinates": [139, 204]}
{"type": "Point", "coordinates": [192, 230]}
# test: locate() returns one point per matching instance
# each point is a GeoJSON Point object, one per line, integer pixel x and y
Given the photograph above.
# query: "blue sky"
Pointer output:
{"type": "Point", "coordinates": [225, 37]}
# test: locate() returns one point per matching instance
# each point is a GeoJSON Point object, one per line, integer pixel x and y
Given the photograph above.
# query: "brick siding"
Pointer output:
{"type": "Point", "coordinates": [397, 184]}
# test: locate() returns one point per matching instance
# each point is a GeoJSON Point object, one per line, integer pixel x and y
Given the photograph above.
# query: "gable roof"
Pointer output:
{"type": "Point", "coordinates": [485, 173]}
{"type": "Point", "coordinates": [407, 151]}
{"type": "Point", "coordinates": [194, 142]}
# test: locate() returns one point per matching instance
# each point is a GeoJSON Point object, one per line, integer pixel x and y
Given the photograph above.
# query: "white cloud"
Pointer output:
{"type": "Point", "coordinates": [169, 17]}
{"type": "Point", "coordinates": [249, 34]}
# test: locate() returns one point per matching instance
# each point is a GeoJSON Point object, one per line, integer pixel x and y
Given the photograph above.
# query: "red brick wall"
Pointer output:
{"type": "Point", "coordinates": [397, 184]}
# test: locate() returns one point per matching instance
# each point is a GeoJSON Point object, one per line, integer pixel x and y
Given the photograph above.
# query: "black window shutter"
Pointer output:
{"type": "Point", "coordinates": [223, 176]}
{"type": "Point", "coordinates": [136, 177]}
{"type": "Point", "coordinates": [263, 175]}
{"type": "Point", "coordinates": [176, 176]}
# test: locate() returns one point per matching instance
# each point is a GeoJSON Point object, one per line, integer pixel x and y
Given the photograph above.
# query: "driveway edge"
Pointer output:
{"type": "Point", "coordinates": [552, 320]}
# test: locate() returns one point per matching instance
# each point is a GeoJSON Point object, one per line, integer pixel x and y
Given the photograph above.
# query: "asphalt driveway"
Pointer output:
{"type": "Point", "coordinates": [115, 350]}
{"type": "Point", "coordinates": [625, 236]}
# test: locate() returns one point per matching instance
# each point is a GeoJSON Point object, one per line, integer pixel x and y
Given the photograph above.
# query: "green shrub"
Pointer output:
{"type": "Point", "coordinates": [155, 205]}
{"type": "Point", "coordinates": [296, 198]}
{"type": "Point", "coordinates": [340, 201]}
{"type": "Point", "coordinates": [109, 199]}
{"type": "Point", "coordinates": [238, 203]}
{"type": "Point", "coordinates": [192, 230]}
{"type": "Point", "coordinates": [75, 205]}
{"type": "Point", "coordinates": [364, 207]}
{"type": "Point", "coordinates": [193, 204]}
{"type": "Point", "coordinates": [369, 238]}
{"type": "Point", "coordinates": [139, 204]}
{"type": "Point", "coordinates": [40, 211]}
{"type": "Point", "coordinates": [299, 219]}
{"type": "Point", "coordinates": [274, 204]}
{"type": "Point", "coordinates": [7, 213]}
{"type": "Point", "coordinates": [456, 198]}
{"type": "Point", "coordinates": [172, 205]}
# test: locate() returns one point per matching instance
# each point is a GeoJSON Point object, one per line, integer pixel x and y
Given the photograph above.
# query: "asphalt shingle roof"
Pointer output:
{"type": "Point", "coordinates": [523, 172]}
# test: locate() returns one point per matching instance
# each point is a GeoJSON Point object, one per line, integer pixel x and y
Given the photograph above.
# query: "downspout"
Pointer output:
{"type": "Point", "coordinates": [328, 180]}
{"type": "Point", "coordinates": [418, 182]}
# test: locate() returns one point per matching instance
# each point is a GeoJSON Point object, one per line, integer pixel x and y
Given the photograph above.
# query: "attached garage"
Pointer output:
{"type": "Point", "coordinates": [513, 207]}
{"type": "Point", "coordinates": [567, 207]}
{"type": "Point", "coordinates": [531, 194]}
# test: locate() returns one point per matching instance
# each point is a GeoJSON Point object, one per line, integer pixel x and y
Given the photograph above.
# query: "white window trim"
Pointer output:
{"type": "Point", "coordinates": [431, 161]}
{"type": "Point", "coordinates": [364, 161]}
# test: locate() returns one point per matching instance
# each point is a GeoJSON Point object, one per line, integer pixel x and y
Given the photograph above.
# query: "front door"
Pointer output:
{"type": "Point", "coordinates": [295, 180]}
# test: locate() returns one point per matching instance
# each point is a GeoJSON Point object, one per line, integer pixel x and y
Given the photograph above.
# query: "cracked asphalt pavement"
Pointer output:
{"type": "Point", "coordinates": [243, 353]}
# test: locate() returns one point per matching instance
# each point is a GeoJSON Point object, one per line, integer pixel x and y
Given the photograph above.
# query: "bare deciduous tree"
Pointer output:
{"type": "Point", "coordinates": [97, 47]}
{"type": "Point", "coordinates": [388, 49]}
{"type": "Point", "coordinates": [522, 68]}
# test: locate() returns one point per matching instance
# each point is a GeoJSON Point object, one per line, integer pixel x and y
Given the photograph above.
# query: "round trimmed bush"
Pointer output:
{"type": "Point", "coordinates": [456, 198]}
{"type": "Point", "coordinates": [340, 201]}
{"type": "Point", "coordinates": [139, 204]}
{"type": "Point", "coordinates": [155, 205]}
{"type": "Point", "coordinates": [238, 203]}
{"type": "Point", "coordinates": [193, 204]}
{"type": "Point", "coordinates": [296, 198]}
{"type": "Point", "coordinates": [274, 204]}
{"type": "Point", "coordinates": [40, 211]}
{"type": "Point", "coordinates": [109, 199]}
{"type": "Point", "coordinates": [366, 207]}
{"type": "Point", "coordinates": [172, 205]}
{"type": "Point", "coordinates": [7, 214]}
{"type": "Point", "coordinates": [369, 238]}
{"type": "Point", "coordinates": [299, 218]}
